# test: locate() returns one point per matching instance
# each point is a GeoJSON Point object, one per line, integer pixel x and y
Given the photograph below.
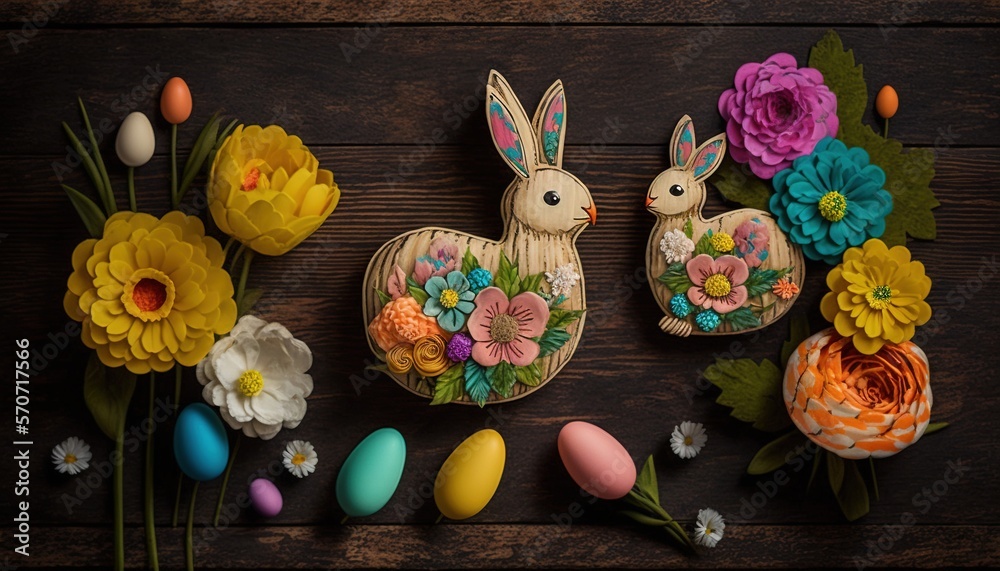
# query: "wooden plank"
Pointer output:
{"type": "Point", "coordinates": [520, 546]}
{"type": "Point", "coordinates": [626, 376]}
{"type": "Point", "coordinates": [625, 85]}
{"type": "Point", "coordinates": [105, 12]}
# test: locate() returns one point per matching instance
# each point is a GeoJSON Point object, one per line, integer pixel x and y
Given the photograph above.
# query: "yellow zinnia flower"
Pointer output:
{"type": "Point", "coordinates": [150, 291]}
{"type": "Point", "coordinates": [877, 296]}
{"type": "Point", "coordinates": [267, 191]}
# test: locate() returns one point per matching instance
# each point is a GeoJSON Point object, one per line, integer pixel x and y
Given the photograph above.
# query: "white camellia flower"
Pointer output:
{"type": "Point", "coordinates": [257, 377]}
{"type": "Point", "coordinates": [676, 246]}
{"type": "Point", "coordinates": [563, 279]}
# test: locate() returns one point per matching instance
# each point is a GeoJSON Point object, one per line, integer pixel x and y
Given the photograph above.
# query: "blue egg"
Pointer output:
{"type": "Point", "coordinates": [371, 473]}
{"type": "Point", "coordinates": [201, 445]}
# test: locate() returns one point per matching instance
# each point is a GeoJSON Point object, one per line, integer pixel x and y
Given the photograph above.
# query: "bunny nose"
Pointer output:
{"type": "Point", "coordinates": [592, 213]}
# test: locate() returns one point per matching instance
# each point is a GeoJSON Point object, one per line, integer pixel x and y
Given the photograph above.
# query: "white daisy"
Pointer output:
{"type": "Point", "coordinates": [676, 246]}
{"type": "Point", "coordinates": [300, 458]}
{"type": "Point", "coordinates": [709, 527]}
{"type": "Point", "coordinates": [72, 455]}
{"type": "Point", "coordinates": [688, 439]}
{"type": "Point", "coordinates": [563, 279]}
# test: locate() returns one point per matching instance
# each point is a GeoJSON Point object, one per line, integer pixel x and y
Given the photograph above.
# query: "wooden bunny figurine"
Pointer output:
{"type": "Point", "coordinates": [733, 273]}
{"type": "Point", "coordinates": [473, 320]}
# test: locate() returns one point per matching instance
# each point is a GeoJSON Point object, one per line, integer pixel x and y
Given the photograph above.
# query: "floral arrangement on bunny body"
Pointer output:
{"type": "Point", "coordinates": [461, 318]}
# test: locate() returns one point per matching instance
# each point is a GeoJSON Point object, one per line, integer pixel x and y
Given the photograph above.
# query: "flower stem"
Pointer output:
{"type": "Point", "coordinates": [225, 478]}
{"type": "Point", "coordinates": [241, 288]}
{"type": "Point", "coordinates": [188, 536]}
{"type": "Point", "coordinates": [154, 562]}
{"type": "Point", "coordinates": [174, 199]}
{"type": "Point", "coordinates": [178, 377]}
{"type": "Point", "coordinates": [225, 249]}
{"type": "Point", "coordinates": [236, 257]}
{"type": "Point", "coordinates": [177, 499]}
{"type": "Point", "coordinates": [119, 464]}
{"type": "Point", "coordinates": [131, 189]}
{"type": "Point", "coordinates": [675, 528]}
{"type": "Point", "coordinates": [885, 132]}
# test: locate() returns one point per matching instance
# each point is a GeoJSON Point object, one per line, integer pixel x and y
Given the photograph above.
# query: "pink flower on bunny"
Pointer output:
{"type": "Point", "coordinates": [442, 258]}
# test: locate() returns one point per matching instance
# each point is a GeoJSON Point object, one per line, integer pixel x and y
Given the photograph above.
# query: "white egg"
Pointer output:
{"type": "Point", "coordinates": [135, 142]}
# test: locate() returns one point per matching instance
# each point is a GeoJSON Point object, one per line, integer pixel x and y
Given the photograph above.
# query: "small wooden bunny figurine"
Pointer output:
{"type": "Point", "coordinates": [473, 320]}
{"type": "Point", "coordinates": [733, 273]}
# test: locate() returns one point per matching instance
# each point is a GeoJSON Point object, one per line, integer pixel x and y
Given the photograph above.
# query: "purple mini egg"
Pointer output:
{"type": "Point", "coordinates": [265, 497]}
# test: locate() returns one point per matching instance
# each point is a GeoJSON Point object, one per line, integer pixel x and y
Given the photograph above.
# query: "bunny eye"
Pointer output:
{"type": "Point", "coordinates": [676, 190]}
{"type": "Point", "coordinates": [551, 198]}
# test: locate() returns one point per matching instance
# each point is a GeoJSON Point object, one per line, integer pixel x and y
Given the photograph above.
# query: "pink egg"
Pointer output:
{"type": "Point", "coordinates": [265, 497]}
{"type": "Point", "coordinates": [596, 461]}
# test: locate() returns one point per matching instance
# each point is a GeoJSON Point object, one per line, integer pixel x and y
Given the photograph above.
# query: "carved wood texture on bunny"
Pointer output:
{"type": "Point", "coordinates": [544, 210]}
{"type": "Point", "coordinates": [733, 273]}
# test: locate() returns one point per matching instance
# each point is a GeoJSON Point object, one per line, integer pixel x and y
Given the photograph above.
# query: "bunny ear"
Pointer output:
{"type": "Point", "coordinates": [508, 125]}
{"type": "Point", "coordinates": [549, 125]}
{"type": "Point", "coordinates": [682, 142]}
{"type": "Point", "coordinates": [708, 158]}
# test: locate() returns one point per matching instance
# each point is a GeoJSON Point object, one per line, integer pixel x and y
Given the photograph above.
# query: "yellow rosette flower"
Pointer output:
{"type": "Point", "coordinates": [150, 292]}
{"type": "Point", "coordinates": [267, 191]}
{"type": "Point", "coordinates": [877, 296]}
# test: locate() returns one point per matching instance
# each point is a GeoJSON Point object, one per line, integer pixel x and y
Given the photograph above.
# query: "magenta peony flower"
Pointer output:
{"type": "Point", "coordinates": [718, 283]}
{"type": "Point", "coordinates": [504, 329]}
{"type": "Point", "coordinates": [776, 113]}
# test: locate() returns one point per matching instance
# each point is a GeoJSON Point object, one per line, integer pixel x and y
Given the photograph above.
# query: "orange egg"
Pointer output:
{"type": "Point", "coordinates": [886, 102]}
{"type": "Point", "coordinates": [175, 101]}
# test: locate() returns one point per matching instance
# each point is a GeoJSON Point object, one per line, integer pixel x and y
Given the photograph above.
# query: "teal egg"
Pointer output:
{"type": "Point", "coordinates": [201, 446]}
{"type": "Point", "coordinates": [371, 473]}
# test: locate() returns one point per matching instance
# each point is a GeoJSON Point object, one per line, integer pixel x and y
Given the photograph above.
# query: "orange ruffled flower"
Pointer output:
{"type": "Point", "coordinates": [401, 321]}
{"type": "Point", "coordinates": [857, 405]}
{"type": "Point", "coordinates": [785, 288]}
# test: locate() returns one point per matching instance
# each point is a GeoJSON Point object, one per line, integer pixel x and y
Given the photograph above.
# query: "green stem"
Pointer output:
{"type": "Point", "coordinates": [885, 132]}
{"type": "Point", "coordinates": [188, 536]}
{"type": "Point", "coordinates": [174, 199]}
{"type": "Point", "coordinates": [871, 464]}
{"type": "Point", "coordinates": [225, 478]}
{"type": "Point", "coordinates": [119, 465]}
{"type": "Point", "coordinates": [241, 288]}
{"type": "Point", "coordinates": [236, 257]}
{"type": "Point", "coordinates": [344, 519]}
{"type": "Point", "coordinates": [177, 499]}
{"type": "Point", "coordinates": [678, 532]}
{"type": "Point", "coordinates": [154, 562]}
{"type": "Point", "coordinates": [225, 249]}
{"type": "Point", "coordinates": [178, 377]}
{"type": "Point", "coordinates": [131, 189]}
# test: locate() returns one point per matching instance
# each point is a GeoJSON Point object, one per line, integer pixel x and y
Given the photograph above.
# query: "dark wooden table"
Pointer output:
{"type": "Point", "coordinates": [366, 85]}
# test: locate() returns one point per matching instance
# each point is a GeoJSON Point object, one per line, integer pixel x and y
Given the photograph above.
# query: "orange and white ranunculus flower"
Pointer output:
{"type": "Point", "coordinates": [267, 191]}
{"type": "Point", "coordinates": [857, 405]}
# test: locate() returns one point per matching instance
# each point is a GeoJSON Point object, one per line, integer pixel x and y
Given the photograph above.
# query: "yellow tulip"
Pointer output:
{"type": "Point", "coordinates": [267, 191]}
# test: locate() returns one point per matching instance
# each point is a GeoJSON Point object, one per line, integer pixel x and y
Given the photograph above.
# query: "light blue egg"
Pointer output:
{"type": "Point", "coordinates": [371, 473]}
{"type": "Point", "coordinates": [201, 446]}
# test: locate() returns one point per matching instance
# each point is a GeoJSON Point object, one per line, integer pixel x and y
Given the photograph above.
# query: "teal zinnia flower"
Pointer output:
{"type": "Point", "coordinates": [831, 200]}
{"type": "Point", "coordinates": [707, 320]}
{"type": "Point", "coordinates": [450, 300]}
{"type": "Point", "coordinates": [680, 306]}
{"type": "Point", "coordinates": [479, 279]}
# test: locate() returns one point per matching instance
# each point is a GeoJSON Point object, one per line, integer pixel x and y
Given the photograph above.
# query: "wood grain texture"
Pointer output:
{"type": "Point", "coordinates": [387, 124]}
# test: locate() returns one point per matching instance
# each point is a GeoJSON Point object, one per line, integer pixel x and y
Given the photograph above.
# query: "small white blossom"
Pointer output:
{"type": "Point", "coordinates": [71, 455]}
{"type": "Point", "coordinates": [299, 458]}
{"type": "Point", "coordinates": [709, 527]}
{"type": "Point", "coordinates": [563, 280]}
{"type": "Point", "coordinates": [688, 439]}
{"type": "Point", "coordinates": [676, 246]}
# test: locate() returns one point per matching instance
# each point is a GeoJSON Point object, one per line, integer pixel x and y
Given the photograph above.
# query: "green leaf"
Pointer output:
{"type": "Point", "coordinates": [250, 298]}
{"type": "Point", "coordinates": [502, 378]}
{"type": "Point", "coordinates": [644, 519]}
{"type": "Point", "coordinates": [218, 144]}
{"type": "Point", "coordinates": [842, 76]}
{"type": "Point", "coordinates": [934, 427]}
{"type": "Point", "coordinates": [91, 168]}
{"type": "Point", "coordinates": [741, 318]}
{"type": "Point", "coordinates": [871, 464]}
{"type": "Point", "coordinates": [761, 281]}
{"type": "Point", "coordinates": [798, 331]}
{"type": "Point", "coordinates": [737, 184]}
{"type": "Point", "coordinates": [91, 215]}
{"type": "Point", "coordinates": [552, 340]}
{"type": "Point", "coordinates": [469, 262]}
{"type": "Point", "coordinates": [817, 461]}
{"type": "Point", "coordinates": [416, 291]}
{"type": "Point", "coordinates": [688, 228]}
{"type": "Point", "coordinates": [506, 277]}
{"type": "Point", "coordinates": [199, 152]}
{"type": "Point", "coordinates": [835, 471]}
{"type": "Point", "coordinates": [773, 455]}
{"type": "Point", "coordinates": [676, 279]}
{"type": "Point", "coordinates": [107, 393]}
{"type": "Point", "coordinates": [530, 375]}
{"type": "Point", "coordinates": [383, 297]}
{"type": "Point", "coordinates": [532, 282]}
{"type": "Point", "coordinates": [753, 392]}
{"type": "Point", "coordinates": [853, 495]}
{"type": "Point", "coordinates": [477, 384]}
{"type": "Point", "coordinates": [97, 157]}
{"type": "Point", "coordinates": [448, 386]}
{"type": "Point", "coordinates": [646, 482]}
{"type": "Point", "coordinates": [704, 245]}
{"type": "Point", "coordinates": [563, 317]}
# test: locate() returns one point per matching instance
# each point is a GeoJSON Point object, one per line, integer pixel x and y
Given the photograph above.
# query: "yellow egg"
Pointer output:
{"type": "Point", "coordinates": [470, 476]}
{"type": "Point", "coordinates": [887, 102]}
